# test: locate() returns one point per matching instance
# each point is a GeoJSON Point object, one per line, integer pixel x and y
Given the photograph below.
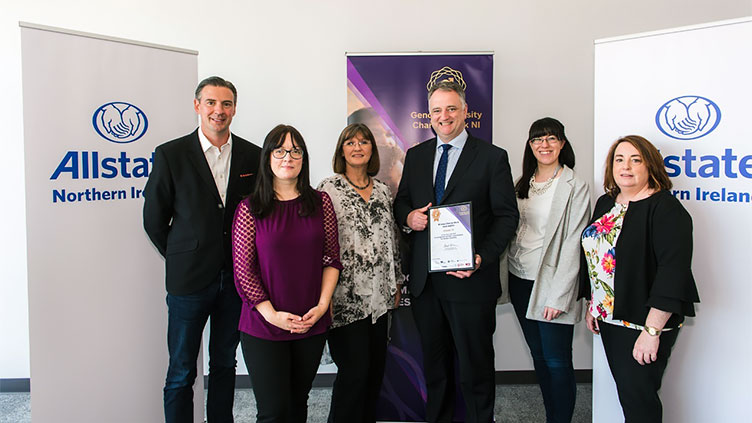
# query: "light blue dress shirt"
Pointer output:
{"type": "Point", "coordinates": [454, 155]}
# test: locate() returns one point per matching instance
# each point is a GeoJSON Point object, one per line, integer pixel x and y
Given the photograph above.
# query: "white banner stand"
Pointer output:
{"type": "Point", "coordinates": [687, 90]}
{"type": "Point", "coordinates": [94, 109]}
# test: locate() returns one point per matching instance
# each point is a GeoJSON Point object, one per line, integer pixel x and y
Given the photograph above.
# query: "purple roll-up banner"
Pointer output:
{"type": "Point", "coordinates": [388, 93]}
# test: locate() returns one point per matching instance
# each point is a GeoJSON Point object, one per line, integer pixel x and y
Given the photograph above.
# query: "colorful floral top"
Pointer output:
{"type": "Point", "coordinates": [369, 250]}
{"type": "Point", "coordinates": [599, 242]}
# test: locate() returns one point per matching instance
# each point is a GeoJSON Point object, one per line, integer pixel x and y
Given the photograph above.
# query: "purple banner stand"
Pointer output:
{"type": "Point", "coordinates": [389, 95]}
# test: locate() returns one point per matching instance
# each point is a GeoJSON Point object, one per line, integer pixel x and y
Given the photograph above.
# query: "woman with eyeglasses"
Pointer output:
{"type": "Point", "coordinates": [638, 274]}
{"type": "Point", "coordinates": [371, 277]}
{"type": "Point", "coordinates": [286, 260]}
{"type": "Point", "coordinates": [544, 260]}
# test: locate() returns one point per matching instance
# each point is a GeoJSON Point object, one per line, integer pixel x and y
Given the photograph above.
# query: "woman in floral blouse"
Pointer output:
{"type": "Point", "coordinates": [371, 276]}
{"type": "Point", "coordinates": [638, 250]}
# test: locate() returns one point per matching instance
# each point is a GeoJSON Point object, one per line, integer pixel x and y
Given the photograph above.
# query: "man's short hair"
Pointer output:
{"type": "Point", "coordinates": [447, 85]}
{"type": "Point", "coordinates": [216, 81]}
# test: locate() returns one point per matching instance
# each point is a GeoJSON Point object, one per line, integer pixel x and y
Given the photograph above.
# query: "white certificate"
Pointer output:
{"type": "Point", "coordinates": [450, 233]}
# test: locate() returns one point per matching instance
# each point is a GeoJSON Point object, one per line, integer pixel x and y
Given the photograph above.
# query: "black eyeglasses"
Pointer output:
{"type": "Point", "coordinates": [280, 153]}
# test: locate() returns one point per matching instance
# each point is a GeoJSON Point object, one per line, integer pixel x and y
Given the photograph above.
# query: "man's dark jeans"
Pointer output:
{"type": "Point", "coordinates": [187, 316]}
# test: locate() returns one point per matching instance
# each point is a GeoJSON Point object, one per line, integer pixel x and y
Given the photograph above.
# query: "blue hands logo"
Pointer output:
{"type": "Point", "coordinates": [688, 117]}
{"type": "Point", "coordinates": [120, 122]}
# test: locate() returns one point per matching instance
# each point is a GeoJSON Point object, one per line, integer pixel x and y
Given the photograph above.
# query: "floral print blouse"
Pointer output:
{"type": "Point", "coordinates": [599, 242]}
{"type": "Point", "coordinates": [369, 251]}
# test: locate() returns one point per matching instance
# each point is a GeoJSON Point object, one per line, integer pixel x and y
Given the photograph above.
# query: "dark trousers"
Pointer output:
{"type": "Point", "coordinates": [551, 348]}
{"type": "Point", "coordinates": [637, 385]}
{"type": "Point", "coordinates": [464, 328]}
{"type": "Point", "coordinates": [359, 350]}
{"type": "Point", "coordinates": [282, 374]}
{"type": "Point", "coordinates": [187, 316]}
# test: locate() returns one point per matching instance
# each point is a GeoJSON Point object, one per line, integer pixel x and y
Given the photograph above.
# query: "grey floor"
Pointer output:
{"type": "Point", "coordinates": [514, 403]}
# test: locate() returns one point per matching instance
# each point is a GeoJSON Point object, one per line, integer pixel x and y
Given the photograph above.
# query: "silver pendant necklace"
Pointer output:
{"type": "Point", "coordinates": [540, 190]}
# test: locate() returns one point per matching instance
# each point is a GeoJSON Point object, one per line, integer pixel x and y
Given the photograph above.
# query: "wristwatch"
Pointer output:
{"type": "Point", "coordinates": [652, 331]}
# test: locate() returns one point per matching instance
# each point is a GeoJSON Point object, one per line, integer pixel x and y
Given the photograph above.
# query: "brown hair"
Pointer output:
{"type": "Point", "coordinates": [338, 162]}
{"type": "Point", "coordinates": [216, 81]}
{"type": "Point", "coordinates": [447, 85]}
{"type": "Point", "coordinates": [657, 177]}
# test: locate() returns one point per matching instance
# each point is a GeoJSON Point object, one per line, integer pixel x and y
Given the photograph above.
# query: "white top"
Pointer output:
{"type": "Point", "coordinates": [526, 247]}
{"type": "Point", "coordinates": [219, 162]}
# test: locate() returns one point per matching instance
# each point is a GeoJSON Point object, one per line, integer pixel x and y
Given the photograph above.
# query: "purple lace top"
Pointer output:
{"type": "Point", "coordinates": [281, 258]}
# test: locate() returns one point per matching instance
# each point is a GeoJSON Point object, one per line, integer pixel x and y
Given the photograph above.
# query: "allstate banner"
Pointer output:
{"type": "Point", "coordinates": [389, 94]}
{"type": "Point", "coordinates": [688, 91]}
{"type": "Point", "coordinates": [94, 110]}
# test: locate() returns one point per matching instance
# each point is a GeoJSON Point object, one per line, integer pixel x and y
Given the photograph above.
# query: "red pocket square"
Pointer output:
{"type": "Point", "coordinates": [245, 175]}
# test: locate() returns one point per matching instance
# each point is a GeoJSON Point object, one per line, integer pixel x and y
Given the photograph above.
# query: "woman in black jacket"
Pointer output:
{"type": "Point", "coordinates": [638, 305]}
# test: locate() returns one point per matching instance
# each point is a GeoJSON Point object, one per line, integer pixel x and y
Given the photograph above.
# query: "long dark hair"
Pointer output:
{"type": "Point", "coordinates": [263, 200]}
{"type": "Point", "coordinates": [542, 128]}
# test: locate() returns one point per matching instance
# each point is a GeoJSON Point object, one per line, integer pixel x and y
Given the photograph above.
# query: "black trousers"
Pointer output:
{"type": "Point", "coordinates": [637, 385]}
{"type": "Point", "coordinates": [464, 328]}
{"type": "Point", "coordinates": [359, 350]}
{"type": "Point", "coordinates": [282, 374]}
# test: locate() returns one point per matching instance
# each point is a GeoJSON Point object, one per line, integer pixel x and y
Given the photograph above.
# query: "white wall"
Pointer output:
{"type": "Point", "coordinates": [287, 59]}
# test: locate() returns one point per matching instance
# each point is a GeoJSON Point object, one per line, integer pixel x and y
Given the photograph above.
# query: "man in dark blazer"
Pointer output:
{"type": "Point", "coordinates": [456, 311]}
{"type": "Point", "coordinates": [189, 202]}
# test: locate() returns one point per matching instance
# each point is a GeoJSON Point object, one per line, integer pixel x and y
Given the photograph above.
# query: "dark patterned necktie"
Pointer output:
{"type": "Point", "coordinates": [438, 186]}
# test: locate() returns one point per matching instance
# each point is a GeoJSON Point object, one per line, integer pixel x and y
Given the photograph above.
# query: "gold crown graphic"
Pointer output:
{"type": "Point", "coordinates": [446, 74]}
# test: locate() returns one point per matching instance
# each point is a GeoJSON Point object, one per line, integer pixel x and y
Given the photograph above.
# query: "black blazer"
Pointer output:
{"type": "Point", "coordinates": [184, 215]}
{"type": "Point", "coordinates": [654, 260]}
{"type": "Point", "coordinates": [483, 176]}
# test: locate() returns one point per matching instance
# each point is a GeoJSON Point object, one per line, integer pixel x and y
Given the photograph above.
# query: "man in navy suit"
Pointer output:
{"type": "Point", "coordinates": [189, 202]}
{"type": "Point", "coordinates": [456, 311]}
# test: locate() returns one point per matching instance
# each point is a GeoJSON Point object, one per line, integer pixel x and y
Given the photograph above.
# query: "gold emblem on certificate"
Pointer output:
{"type": "Point", "coordinates": [450, 234]}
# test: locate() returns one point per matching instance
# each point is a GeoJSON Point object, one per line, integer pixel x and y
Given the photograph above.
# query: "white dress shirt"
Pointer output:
{"type": "Point", "coordinates": [454, 155]}
{"type": "Point", "coordinates": [219, 162]}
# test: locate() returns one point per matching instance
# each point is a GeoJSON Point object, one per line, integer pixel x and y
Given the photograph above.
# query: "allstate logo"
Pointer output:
{"type": "Point", "coordinates": [120, 122]}
{"type": "Point", "coordinates": [688, 117]}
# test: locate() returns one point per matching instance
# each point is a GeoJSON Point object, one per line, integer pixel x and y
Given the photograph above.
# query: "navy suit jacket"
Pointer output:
{"type": "Point", "coordinates": [482, 176]}
{"type": "Point", "coordinates": [183, 212]}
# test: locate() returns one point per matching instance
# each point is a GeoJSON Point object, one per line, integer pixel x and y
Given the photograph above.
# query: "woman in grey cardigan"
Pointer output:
{"type": "Point", "coordinates": [543, 261]}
